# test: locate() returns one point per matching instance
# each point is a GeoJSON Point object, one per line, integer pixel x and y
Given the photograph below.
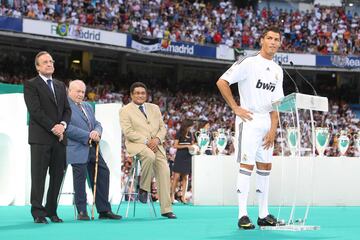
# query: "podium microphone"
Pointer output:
{"type": "Point", "coordinates": [296, 88]}
{"type": "Point", "coordinates": [303, 78]}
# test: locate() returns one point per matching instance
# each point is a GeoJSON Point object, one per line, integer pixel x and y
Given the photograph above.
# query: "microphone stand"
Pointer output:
{"type": "Point", "coordinates": [287, 73]}
{"type": "Point", "coordinates": [303, 78]}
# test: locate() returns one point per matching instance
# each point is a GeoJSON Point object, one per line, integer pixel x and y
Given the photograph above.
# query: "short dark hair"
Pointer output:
{"type": "Point", "coordinates": [39, 55]}
{"type": "Point", "coordinates": [137, 84]}
{"type": "Point", "coordinates": [270, 29]}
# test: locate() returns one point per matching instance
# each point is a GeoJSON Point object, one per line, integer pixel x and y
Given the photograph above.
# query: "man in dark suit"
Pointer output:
{"type": "Point", "coordinates": [82, 130]}
{"type": "Point", "coordinates": [144, 131]}
{"type": "Point", "coordinates": [50, 114]}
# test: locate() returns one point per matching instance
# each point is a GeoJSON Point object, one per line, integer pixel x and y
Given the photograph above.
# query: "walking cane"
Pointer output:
{"type": "Point", "coordinates": [95, 179]}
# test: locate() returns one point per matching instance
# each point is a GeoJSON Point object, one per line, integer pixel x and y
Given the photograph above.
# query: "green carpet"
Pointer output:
{"type": "Point", "coordinates": [194, 222]}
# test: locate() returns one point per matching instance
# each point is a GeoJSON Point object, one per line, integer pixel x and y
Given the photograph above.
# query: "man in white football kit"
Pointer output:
{"type": "Point", "coordinates": [260, 82]}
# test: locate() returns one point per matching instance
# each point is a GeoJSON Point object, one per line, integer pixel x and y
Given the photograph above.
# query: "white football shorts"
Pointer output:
{"type": "Point", "coordinates": [249, 139]}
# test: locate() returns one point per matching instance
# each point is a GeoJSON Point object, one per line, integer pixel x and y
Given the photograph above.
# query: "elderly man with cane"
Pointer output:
{"type": "Point", "coordinates": [84, 134]}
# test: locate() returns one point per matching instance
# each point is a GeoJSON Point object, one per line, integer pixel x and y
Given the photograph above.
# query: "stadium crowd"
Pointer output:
{"type": "Point", "coordinates": [180, 106]}
{"type": "Point", "coordinates": [209, 106]}
{"type": "Point", "coordinates": [322, 30]}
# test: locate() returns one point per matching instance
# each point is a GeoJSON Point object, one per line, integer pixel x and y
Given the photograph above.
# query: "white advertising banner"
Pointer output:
{"type": "Point", "coordinates": [74, 32]}
{"type": "Point", "coordinates": [15, 177]}
{"type": "Point", "coordinates": [286, 58]}
{"type": "Point", "coordinates": [322, 189]}
{"type": "Point", "coordinates": [225, 52]}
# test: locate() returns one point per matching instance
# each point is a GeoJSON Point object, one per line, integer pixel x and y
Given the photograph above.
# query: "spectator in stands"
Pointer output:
{"type": "Point", "coordinates": [178, 106]}
{"type": "Point", "coordinates": [201, 23]}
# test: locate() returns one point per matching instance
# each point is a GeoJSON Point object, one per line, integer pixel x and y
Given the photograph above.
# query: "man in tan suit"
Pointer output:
{"type": "Point", "coordinates": [144, 132]}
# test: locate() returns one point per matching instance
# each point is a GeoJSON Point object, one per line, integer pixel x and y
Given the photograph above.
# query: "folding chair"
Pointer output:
{"type": "Point", "coordinates": [131, 189]}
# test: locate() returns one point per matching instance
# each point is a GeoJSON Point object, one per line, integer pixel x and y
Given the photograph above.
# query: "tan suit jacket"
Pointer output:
{"type": "Point", "coordinates": [138, 129]}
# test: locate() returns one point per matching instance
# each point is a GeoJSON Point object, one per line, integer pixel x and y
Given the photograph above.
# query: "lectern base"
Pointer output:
{"type": "Point", "coordinates": [291, 227]}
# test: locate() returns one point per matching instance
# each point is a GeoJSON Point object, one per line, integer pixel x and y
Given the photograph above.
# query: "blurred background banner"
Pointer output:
{"type": "Point", "coordinates": [144, 44]}
{"type": "Point", "coordinates": [338, 61]}
{"type": "Point", "coordinates": [15, 177]}
{"type": "Point", "coordinates": [10, 24]}
{"type": "Point", "coordinates": [75, 32]}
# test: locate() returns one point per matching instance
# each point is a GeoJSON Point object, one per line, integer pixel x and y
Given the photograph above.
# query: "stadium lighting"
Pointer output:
{"type": "Point", "coordinates": [351, 4]}
{"type": "Point", "coordinates": [76, 61]}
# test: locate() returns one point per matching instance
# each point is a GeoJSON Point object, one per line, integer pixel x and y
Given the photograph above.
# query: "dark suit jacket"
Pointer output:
{"type": "Point", "coordinates": [44, 111]}
{"type": "Point", "coordinates": [77, 150]}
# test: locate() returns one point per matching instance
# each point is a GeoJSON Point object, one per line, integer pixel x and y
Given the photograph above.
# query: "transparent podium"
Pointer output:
{"type": "Point", "coordinates": [290, 105]}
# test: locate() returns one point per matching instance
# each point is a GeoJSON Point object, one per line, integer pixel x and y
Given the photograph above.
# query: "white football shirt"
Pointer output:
{"type": "Point", "coordinates": [260, 82]}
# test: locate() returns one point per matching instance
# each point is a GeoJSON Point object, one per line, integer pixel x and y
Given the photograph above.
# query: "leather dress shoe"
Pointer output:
{"type": "Point", "coordinates": [83, 216]}
{"type": "Point", "coordinates": [183, 201]}
{"type": "Point", "coordinates": [56, 219]}
{"type": "Point", "coordinates": [109, 215]}
{"type": "Point", "coordinates": [170, 215]}
{"type": "Point", "coordinates": [143, 196]}
{"type": "Point", "coordinates": [40, 220]}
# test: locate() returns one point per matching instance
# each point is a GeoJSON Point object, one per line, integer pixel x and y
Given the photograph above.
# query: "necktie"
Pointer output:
{"type": "Point", "coordinates": [49, 83]}
{"type": "Point", "coordinates": [142, 110]}
{"type": "Point", "coordinates": [84, 113]}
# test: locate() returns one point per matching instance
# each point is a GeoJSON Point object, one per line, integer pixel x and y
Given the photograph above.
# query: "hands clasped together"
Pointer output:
{"type": "Point", "coordinates": [153, 144]}
{"type": "Point", "coordinates": [58, 130]}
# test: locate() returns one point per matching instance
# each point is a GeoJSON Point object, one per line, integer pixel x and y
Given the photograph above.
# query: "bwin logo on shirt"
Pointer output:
{"type": "Point", "coordinates": [266, 86]}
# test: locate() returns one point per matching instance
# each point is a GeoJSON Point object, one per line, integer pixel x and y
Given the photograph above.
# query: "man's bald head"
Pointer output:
{"type": "Point", "coordinates": [77, 90]}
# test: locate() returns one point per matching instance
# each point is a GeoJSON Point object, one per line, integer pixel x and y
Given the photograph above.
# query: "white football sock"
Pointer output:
{"type": "Point", "coordinates": [262, 190]}
{"type": "Point", "coordinates": [243, 185]}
